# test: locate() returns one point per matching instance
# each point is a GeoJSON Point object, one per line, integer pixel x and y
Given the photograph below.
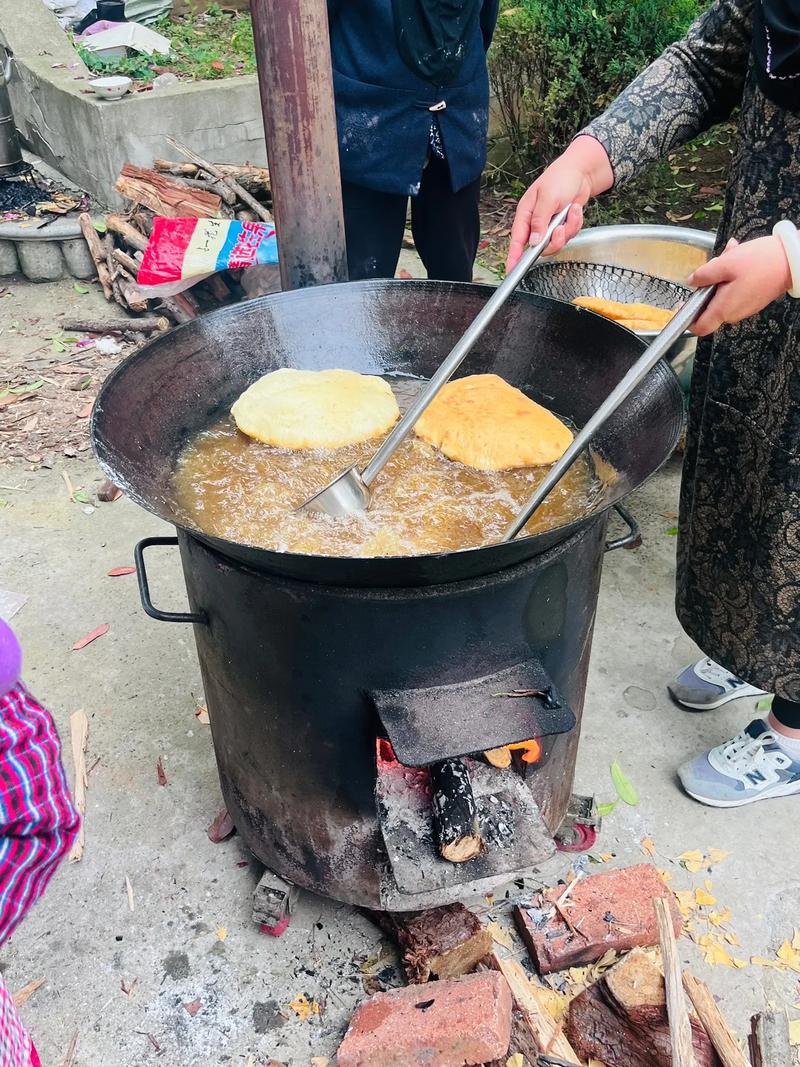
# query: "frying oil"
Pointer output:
{"type": "Point", "coordinates": [231, 486]}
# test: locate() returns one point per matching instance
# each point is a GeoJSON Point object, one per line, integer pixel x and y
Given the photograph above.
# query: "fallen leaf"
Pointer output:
{"type": "Point", "coordinates": [320, 1061]}
{"type": "Point", "coordinates": [794, 1032]}
{"type": "Point", "coordinates": [606, 809]}
{"type": "Point", "coordinates": [716, 954]}
{"type": "Point", "coordinates": [517, 1060]}
{"type": "Point", "coordinates": [10, 398]}
{"type": "Point", "coordinates": [666, 876]}
{"type": "Point", "coordinates": [84, 641]}
{"type": "Point", "coordinates": [686, 902]}
{"type": "Point", "coordinates": [193, 1007]}
{"type": "Point", "coordinates": [704, 899]}
{"type": "Point", "coordinates": [222, 933]}
{"type": "Point", "coordinates": [108, 492]}
{"type": "Point", "coordinates": [99, 225]}
{"type": "Point", "coordinates": [693, 861]}
{"type": "Point", "coordinates": [117, 572]}
{"type": "Point", "coordinates": [161, 774]}
{"type": "Point", "coordinates": [500, 936]}
{"type": "Point", "coordinates": [717, 918]}
{"type": "Point", "coordinates": [201, 714]}
{"type": "Point", "coordinates": [605, 857]}
{"type": "Point", "coordinates": [759, 961]}
{"type": "Point", "coordinates": [626, 791]}
{"type": "Point", "coordinates": [647, 846]}
{"type": "Point", "coordinates": [303, 1007]}
{"type": "Point", "coordinates": [82, 290]}
{"type": "Point", "coordinates": [128, 990]}
{"type": "Point", "coordinates": [789, 956]}
{"type": "Point", "coordinates": [717, 855]}
{"type": "Point", "coordinates": [221, 828]}
{"type": "Point", "coordinates": [23, 995]}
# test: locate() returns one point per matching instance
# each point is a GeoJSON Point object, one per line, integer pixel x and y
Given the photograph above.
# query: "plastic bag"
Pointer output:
{"type": "Point", "coordinates": [182, 252]}
{"type": "Point", "coordinates": [70, 12]}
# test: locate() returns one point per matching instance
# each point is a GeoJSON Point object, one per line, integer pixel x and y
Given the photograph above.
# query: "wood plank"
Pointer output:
{"type": "Point", "coordinates": [680, 1030]}
{"type": "Point", "coordinates": [709, 1014]}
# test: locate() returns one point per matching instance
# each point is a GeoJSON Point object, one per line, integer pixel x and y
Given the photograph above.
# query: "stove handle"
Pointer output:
{"type": "Point", "coordinates": [200, 617]}
{"type": "Point", "coordinates": [633, 538]}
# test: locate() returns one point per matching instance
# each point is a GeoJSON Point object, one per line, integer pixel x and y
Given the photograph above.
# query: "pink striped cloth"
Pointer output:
{"type": "Point", "coordinates": [38, 824]}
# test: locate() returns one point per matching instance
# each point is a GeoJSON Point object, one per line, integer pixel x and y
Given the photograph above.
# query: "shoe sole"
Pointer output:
{"type": "Point", "coordinates": [770, 794]}
{"type": "Point", "coordinates": [726, 698]}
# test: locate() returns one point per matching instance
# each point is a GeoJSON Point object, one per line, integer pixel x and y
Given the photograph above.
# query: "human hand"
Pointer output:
{"type": "Point", "coordinates": [748, 277]}
{"type": "Point", "coordinates": [580, 172]}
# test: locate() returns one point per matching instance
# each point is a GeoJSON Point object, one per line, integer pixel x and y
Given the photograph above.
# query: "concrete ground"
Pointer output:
{"type": "Point", "coordinates": [120, 977]}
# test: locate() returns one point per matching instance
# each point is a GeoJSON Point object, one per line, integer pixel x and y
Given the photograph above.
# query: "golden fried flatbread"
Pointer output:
{"type": "Point", "coordinates": [485, 423]}
{"type": "Point", "coordinates": [614, 309]}
{"type": "Point", "coordinates": [302, 409]}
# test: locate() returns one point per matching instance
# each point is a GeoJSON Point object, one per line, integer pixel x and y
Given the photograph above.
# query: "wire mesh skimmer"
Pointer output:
{"type": "Point", "coordinates": [566, 280]}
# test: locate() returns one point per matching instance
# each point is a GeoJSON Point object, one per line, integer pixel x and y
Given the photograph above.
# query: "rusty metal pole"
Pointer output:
{"type": "Point", "coordinates": [294, 71]}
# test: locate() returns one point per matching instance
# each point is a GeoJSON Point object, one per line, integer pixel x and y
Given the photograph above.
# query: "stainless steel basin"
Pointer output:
{"type": "Point", "coordinates": [669, 252]}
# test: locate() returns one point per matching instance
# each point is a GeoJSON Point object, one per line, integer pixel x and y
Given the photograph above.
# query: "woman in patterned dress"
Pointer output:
{"type": "Point", "coordinates": [738, 578]}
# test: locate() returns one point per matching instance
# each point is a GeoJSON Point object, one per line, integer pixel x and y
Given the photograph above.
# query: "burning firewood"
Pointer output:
{"type": "Point", "coordinates": [455, 816]}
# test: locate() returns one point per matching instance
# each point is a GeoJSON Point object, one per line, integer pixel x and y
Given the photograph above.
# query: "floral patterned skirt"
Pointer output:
{"type": "Point", "coordinates": [738, 585]}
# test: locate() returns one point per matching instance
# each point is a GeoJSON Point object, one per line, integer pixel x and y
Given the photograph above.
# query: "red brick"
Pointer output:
{"type": "Point", "coordinates": [441, 1024]}
{"type": "Point", "coordinates": [624, 896]}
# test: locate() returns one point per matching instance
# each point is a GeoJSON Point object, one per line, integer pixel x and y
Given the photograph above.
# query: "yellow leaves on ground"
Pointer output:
{"type": "Point", "coordinates": [303, 1007]}
{"type": "Point", "coordinates": [222, 933]}
{"type": "Point", "coordinates": [517, 1060]}
{"type": "Point", "coordinates": [787, 958]}
{"type": "Point", "coordinates": [696, 861]}
{"type": "Point", "coordinates": [647, 846]}
{"type": "Point", "coordinates": [704, 899]}
{"type": "Point", "coordinates": [500, 935]}
{"type": "Point", "coordinates": [794, 1032]}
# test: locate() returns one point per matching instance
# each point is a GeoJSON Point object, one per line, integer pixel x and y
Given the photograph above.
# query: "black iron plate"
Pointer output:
{"type": "Point", "coordinates": [428, 725]}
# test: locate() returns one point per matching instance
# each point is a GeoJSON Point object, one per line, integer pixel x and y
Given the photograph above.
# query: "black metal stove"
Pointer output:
{"type": "Point", "coordinates": [309, 663]}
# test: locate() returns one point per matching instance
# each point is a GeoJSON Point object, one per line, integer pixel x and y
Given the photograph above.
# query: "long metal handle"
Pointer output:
{"type": "Point", "coordinates": [674, 329]}
{"type": "Point", "coordinates": [460, 351]}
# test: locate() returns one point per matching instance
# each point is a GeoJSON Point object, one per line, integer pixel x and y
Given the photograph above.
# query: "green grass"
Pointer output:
{"type": "Point", "coordinates": [205, 47]}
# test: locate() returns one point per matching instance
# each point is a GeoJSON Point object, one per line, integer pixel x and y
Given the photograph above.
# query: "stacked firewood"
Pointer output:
{"type": "Point", "coordinates": [192, 189]}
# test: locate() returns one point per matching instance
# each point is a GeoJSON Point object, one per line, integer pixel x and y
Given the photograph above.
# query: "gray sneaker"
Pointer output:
{"type": "Point", "coordinates": [751, 767]}
{"type": "Point", "coordinates": [706, 685]}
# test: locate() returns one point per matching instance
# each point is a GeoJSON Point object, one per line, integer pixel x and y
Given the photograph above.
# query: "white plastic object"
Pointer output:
{"type": "Point", "coordinates": [127, 35]}
{"type": "Point", "coordinates": [787, 234]}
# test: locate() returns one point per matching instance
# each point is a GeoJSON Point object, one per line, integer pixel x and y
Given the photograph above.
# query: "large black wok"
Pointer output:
{"type": "Point", "coordinates": [566, 358]}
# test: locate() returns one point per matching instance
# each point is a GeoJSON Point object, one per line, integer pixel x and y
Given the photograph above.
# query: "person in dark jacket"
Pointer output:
{"type": "Point", "coordinates": [412, 108]}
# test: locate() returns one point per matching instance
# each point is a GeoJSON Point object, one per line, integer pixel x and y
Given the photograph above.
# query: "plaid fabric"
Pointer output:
{"type": "Point", "coordinates": [38, 824]}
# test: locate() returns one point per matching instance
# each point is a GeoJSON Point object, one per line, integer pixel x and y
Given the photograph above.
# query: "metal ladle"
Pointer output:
{"type": "Point", "coordinates": [351, 491]}
{"type": "Point", "coordinates": [674, 329]}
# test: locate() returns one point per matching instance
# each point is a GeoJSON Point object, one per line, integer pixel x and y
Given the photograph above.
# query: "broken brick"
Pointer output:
{"type": "Point", "coordinates": [443, 1024]}
{"type": "Point", "coordinates": [612, 910]}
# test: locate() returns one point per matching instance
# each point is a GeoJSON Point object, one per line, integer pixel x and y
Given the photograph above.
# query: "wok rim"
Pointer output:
{"type": "Point", "coordinates": [233, 549]}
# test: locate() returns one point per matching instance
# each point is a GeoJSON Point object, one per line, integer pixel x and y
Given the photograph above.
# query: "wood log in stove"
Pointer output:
{"type": "Point", "coordinates": [455, 814]}
{"type": "Point", "coordinates": [441, 943]}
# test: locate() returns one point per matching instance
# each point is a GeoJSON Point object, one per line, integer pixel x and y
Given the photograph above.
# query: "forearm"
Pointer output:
{"type": "Point", "coordinates": [697, 82]}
